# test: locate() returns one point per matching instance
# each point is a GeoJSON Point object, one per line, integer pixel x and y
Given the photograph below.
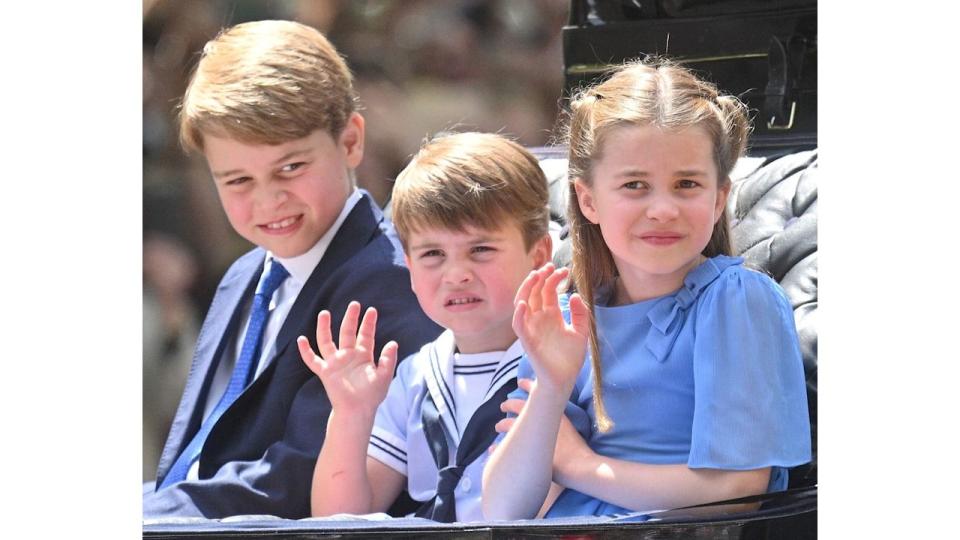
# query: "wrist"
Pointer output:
{"type": "Point", "coordinates": [574, 465]}
{"type": "Point", "coordinates": [352, 419]}
{"type": "Point", "coordinates": [556, 390]}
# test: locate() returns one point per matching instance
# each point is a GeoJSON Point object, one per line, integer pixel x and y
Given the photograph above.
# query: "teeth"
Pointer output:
{"type": "Point", "coordinates": [281, 224]}
{"type": "Point", "coordinates": [458, 301]}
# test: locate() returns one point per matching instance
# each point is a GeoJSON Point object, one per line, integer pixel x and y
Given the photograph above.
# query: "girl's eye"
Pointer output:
{"type": "Point", "coordinates": [687, 184]}
{"type": "Point", "coordinates": [636, 184]}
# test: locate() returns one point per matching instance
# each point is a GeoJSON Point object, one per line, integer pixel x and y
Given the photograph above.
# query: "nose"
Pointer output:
{"type": "Point", "coordinates": [272, 196]}
{"type": "Point", "coordinates": [662, 208]}
{"type": "Point", "coordinates": [457, 273]}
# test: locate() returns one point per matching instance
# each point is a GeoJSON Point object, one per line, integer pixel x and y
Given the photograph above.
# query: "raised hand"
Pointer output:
{"type": "Point", "coordinates": [352, 381]}
{"type": "Point", "coordinates": [556, 349]}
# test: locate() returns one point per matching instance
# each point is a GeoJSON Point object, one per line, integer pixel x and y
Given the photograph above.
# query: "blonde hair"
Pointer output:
{"type": "Point", "coordinates": [660, 93]}
{"type": "Point", "coordinates": [478, 179]}
{"type": "Point", "coordinates": [266, 82]}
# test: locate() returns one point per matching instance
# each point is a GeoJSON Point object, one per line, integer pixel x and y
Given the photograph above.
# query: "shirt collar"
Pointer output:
{"type": "Point", "coordinates": [301, 266]}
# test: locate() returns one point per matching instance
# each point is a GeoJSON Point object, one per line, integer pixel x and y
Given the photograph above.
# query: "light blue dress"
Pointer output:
{"type": "Point", "coordinates": [710, 376]}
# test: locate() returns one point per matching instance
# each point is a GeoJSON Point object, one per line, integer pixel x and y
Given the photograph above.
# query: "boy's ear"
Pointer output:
{"type": "Point", "coordinates": [721, 204]}
{"type": "Point", "coordinates": [542, 251]}
{"type": "Point", "coordinates": [351, 140]}
{"type": "Point", "coordinates": [585, 201]}
{"type": "Point", "coordinates": [406, 260]}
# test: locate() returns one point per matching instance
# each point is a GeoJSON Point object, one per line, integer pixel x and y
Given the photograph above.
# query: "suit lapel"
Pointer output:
{"type": "Point", "coordinates": [219, 326]}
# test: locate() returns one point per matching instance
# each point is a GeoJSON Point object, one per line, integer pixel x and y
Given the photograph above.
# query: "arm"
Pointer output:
{"type": "Point", "coordinates": [355, 386]}
{"type": "Point", "coordinates": [644, 487]}
{"type": "Point", "coordinates": [637, 486]}
{"type": "Point", "coordinates": [517, 478]}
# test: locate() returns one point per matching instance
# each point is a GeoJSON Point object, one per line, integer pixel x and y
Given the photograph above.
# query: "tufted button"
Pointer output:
{"type": "Point", "coordinates": [465, 484]}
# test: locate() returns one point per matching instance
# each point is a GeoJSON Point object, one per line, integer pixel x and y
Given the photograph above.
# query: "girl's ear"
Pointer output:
{"type": "Point", "coordinates": [585, 201]}
{"type": "Point", "coordinates": [721, 204]}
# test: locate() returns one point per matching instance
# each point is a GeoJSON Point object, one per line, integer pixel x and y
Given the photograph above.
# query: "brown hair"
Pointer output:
{"type": "Point", "coordinates": [478, 179]}
{"type": "Point", "coordinates": [641, 93]}
{"type": "Point", "coordinates": [267, 82]}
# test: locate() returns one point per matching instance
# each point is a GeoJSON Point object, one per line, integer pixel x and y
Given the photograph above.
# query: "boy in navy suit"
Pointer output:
{"type": "Point", "coordinates": [271, 106]}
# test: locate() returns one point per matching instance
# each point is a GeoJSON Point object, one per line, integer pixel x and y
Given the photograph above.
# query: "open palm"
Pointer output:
{"type": "Point", "coordinates": [556, 349]}
{"type": "Point", "coordinates": [351, 379]}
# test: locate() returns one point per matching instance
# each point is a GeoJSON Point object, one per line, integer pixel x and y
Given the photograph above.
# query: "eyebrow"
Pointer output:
{"type": "Point", "coordinates": [473, 241]}
{"type": "Point", "coordinates": [285, 157]}
{"type": "Point", "coordinates": [644, 174]}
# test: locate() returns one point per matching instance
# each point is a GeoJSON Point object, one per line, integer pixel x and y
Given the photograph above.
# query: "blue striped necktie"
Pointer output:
{"type": "Point", "coordinates": [242, 371]}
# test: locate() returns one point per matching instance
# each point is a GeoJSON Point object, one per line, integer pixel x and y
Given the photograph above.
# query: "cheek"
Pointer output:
{"type": "Point", "coordinates": [238, 210]}
{"type": "Point", "coordinates": [705, 217]}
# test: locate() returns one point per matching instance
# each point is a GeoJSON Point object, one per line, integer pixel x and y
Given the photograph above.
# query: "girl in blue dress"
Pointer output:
{"type": "Point", "coordinates": [695, 390]}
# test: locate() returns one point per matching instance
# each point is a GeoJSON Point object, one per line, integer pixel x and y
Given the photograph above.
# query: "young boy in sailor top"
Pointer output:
{"type": "Point", "coordinates": [471, 211]}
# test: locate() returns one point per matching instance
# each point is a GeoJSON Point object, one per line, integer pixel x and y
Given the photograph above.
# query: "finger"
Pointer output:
{"type": "Point", "coordinates": [523, 293]}
{"type": "Point", "coordinates": [526, 384]}
{"type": "Point", "coordinates": [535, 301]}
{"type": "Point", "coordinates": [579, 315]}
{"type": "Point", "coordinates": [504, 425]}
{"type": "Point", "coordinates": [519, 315]}
{"type": "Point", "coordinates": [312, 361]}
{"type": "Point", "coordinates": [550, 287]}
{"type": "Point", "coordinates": [348, 326]}
{"type": "Point", "coordinates": [368, 330]}
{"type": "Point", "coordinates": [388, 360]}
{"type": "Point", "coordinates": [513, 405]}
{"type": "Point", "coordinates": [325, 342]}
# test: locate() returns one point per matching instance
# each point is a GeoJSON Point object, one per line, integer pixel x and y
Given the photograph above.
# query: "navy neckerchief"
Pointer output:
{"type": "Point", "coordinates": [439, 424]}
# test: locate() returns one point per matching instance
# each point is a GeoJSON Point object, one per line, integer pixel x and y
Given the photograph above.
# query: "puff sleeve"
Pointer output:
{"type": "Point", "coordinates": [750, 407]}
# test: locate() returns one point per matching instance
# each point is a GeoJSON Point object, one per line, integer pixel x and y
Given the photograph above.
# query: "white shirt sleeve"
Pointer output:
{"type": "Point", "coordinates": [388, 441]}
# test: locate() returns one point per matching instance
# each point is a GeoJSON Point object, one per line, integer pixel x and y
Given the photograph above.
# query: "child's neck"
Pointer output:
{"type": "Point", "coordinates": [630, 289]}
{"type": "Point", "coordinates": [483, 343]}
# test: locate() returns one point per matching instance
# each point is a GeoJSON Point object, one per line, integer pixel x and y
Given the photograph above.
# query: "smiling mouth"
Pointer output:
{"type": "Point", "coordinates": [281, 225]}
{"type": "Point", "coordinates": [661, 239]}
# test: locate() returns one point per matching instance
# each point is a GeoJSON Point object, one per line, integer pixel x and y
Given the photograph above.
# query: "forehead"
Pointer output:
{"type": "Point", "coordinates": [653, 149]}
{"type": "Point", "coordinates": [431, 235]}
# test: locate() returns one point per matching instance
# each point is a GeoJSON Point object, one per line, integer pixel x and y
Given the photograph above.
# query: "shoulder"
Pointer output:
{"type": "Point", "coordinates": [415, 366]}
{"type": "Point", "coordinates": [741, 297]}
{"type": "Point", "coordinates": [740, 284]}
{"type": "Point", "coordinates": [244, 263]}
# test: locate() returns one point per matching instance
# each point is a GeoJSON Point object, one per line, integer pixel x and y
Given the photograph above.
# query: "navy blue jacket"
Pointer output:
{"type": "Point", "coordinates": [259, 457]}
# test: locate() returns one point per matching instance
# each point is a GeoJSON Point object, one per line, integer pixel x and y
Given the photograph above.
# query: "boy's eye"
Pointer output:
{"type": "Point", "coordinates": [291, 167]}
{"type": "Point", "coordinates": [431, 253]}
{"type": "Point", "coordinates": [482, 249]}
{"type": "Point", "coordinates": [237, 181]}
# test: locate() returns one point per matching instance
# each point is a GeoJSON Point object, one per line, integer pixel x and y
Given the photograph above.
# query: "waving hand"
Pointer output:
{"type": "Point", "coordinates": [556, 349]}
{"type": "Point", "coordinates": [352, 380]}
